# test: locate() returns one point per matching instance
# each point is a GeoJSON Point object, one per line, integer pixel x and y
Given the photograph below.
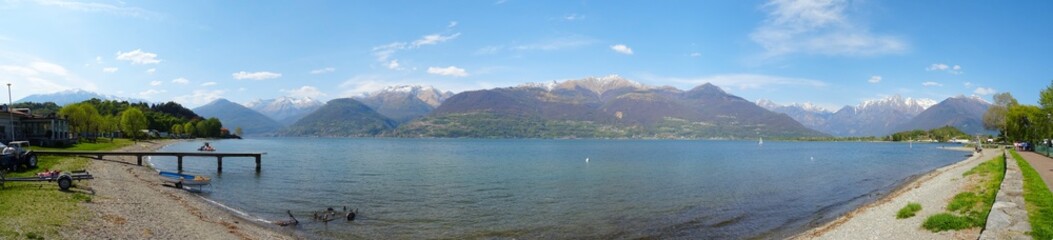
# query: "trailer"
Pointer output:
{"type": "Point", "coordinates": [64, 179]}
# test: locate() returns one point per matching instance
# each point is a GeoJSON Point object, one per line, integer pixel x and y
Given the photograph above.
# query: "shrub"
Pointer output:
{"type": "Point", "coordinates": [908, 211]}
{"type": "Point", "coordinates": [946, 221]}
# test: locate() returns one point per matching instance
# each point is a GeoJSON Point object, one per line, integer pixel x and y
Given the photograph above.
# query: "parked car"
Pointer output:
{"type": "Point", "coordinates": [16, 154]}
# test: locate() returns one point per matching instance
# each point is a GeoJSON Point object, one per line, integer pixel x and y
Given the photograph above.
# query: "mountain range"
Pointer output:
{"type": "Point", "coordinates": [605, 107]}
{"type": "Point", "coordinates": [285, 110]}
{"type": "Point", "coordinates": [404, 103]}
{"type": "Point", "coordinates": [62, 98]}
{"type": "Point", "coordinates": [342, 117]}
{"type": "Point", "coordinates": [881, 117]}
{"type": "Point", "coordinates": [964, 113]}
{"type": "Point", "coordinates": [234, 115]}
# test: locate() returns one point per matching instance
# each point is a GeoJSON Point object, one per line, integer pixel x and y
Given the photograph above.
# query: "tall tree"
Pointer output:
{"type": "Point", "coordinates": [177, 129]}
{"type": "Point", "coordinates": [1023, 122]}
{"type": "Point", "coordinates": [995, 117]}
{"type": "Point", "coordinates": [1045, 98]}
{"type": "Point", "coordinates": [132, 122]}
{"type": "Point", "coordinates": [188, 129]}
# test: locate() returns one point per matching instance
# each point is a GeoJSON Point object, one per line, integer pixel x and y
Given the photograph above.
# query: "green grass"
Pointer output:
{"type": "Point", "coordinates": [1039, 200]}
{"type": "Point", "coordinates": [908, 211]}
{"type": "Point", "coordinates": [38, 210]}
{"type": "Point", "coordinates": [970, 208]}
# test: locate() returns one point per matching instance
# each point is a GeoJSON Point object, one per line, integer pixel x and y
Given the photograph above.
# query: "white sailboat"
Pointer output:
{"type": "Point", "coordinates": [761, 141]}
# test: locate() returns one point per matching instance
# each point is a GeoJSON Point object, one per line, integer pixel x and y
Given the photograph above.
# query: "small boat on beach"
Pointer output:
{"type": "Point", "coordinates": [180, 180]}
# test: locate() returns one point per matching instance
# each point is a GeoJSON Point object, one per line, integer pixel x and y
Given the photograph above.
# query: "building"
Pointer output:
{"type": "Point", "coordinates": [38, 130]}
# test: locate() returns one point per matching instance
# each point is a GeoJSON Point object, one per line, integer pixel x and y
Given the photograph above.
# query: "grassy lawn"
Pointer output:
{"type": "Point", "coordinates": [970, 208]}
{"type": "Point", "coordinates": [1039, 200]}
{"type": "Point", "coordinates": [38, 210]}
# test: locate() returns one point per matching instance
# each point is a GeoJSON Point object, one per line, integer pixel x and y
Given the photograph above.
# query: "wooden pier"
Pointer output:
{"type": "Point", "coordinates": [139, 156]}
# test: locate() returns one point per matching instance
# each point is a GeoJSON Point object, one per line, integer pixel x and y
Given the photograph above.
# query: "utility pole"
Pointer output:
{"type": "Point", "coordinates": [10, 113]}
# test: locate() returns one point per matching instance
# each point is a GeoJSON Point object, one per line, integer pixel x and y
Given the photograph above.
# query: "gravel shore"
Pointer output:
{"type": "Point", "coordinates": [130, 202]}
{"type": "Point", "coordinates": [878, 220]}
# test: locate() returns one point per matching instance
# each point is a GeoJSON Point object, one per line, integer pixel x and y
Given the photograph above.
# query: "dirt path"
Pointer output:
{"type": "Point", "coordinates": [130, 202]}
{"type": "Point", "coordinates": [1042, 164]}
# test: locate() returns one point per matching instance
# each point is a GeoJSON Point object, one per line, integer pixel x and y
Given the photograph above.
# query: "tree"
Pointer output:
{"type": "Point", "coordinates": [83, 118]}
{"type": "Point", "coordinates": [213, 127]}
{"type": "Point", "coordinates": [201, 129]}
{"type": "Point", "coordinates": [995, 117]}
{"type": "Point", "coordinates": [1045, 98]}
{"type": "Point", "coordinates": [132, 122]}
{"type": "Point", "coordinates": [238, 131]}
{"type": "Point", "coordinates": [188, 129]}
{"type": "Point", "coordinates": [1022, 122]}
{"type": "Point", "coordinates": [177, 129]}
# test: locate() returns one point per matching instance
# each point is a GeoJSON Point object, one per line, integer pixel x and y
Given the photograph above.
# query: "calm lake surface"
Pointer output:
{"type": "Point", "coordinates": [461, 188]}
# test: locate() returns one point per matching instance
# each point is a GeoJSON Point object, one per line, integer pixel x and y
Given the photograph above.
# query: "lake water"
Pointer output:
{"type": "Point", "coordinates": [469, 188]}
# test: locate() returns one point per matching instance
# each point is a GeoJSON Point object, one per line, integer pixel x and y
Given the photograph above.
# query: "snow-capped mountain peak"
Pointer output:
{"type": "Point", "coordinates": [913, 105]}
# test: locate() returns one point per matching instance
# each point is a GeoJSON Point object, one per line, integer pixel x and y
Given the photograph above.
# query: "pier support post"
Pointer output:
{"type": "Point", "coordinates": [219, 163]}
{"type": "Point", "coordinates": [179, 159]}
{"type": "Point", "coordinates": [139, 160]}
{"type": "Point", "coordinates": [258, 163]}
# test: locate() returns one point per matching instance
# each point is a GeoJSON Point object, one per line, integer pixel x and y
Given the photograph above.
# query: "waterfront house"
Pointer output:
{"type": "Point", "coordinates": [38, 130]}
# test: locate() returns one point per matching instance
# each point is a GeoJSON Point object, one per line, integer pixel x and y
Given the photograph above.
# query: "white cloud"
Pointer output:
{"type": "Point", "coordinates": [199, 97]}
{"type": "Point", "coordinates": [37, 76]}
{"type": "Point", "coordinates": [151, 92]}
{"type": "Point", "coordinates": [138, 57]}
{"type": "Point", "coordinates": [180, 81]}
{"type": "Point", "coordinates": [956, 69]}
{"type": "Point", "coordinates": [621, 48]}
{"type": "Point", "coordinates": [818, 27]}
{"type": "Point", "coordinates": [874, 79]}
{"type": "Point", "coordinates": [255, 75]}
{"type": "Point", "coordinates": [393, 65]}
{"type": "Point", "coordinates": [109, 69]}
{"type": "Point", "coordinates": [982, 91]}
{"type": "Point", "coordinates": [323, 70]}
{"type": "Point", "coordinates": [98, 59]}
{"type": "Point", "coordinates": [151, 71]}
{"type": "Point", "coordinates": [305, 91]}
{"type": "Point", "coordinates": [573, 16]}
{"type": "Point", "coordinates": [744, 81]}
{"type": "Point", "coordinates": [360, 85]}
{"type": "Point", "coordinates": [207, 84]}
{"type": "Point", "coordinates": [452, 24]}
{"type": "Point", "coordinates": [968, 84]}
{"type": "Point", "coordinates": [937, 67]}
{"type": "Point", "coordinates": [386, 51]}
{"type": "Point", "coordinates": [695, 54]}
{"type": "Point", "coordinates": [434, 39]}
{"type": "Point", "coordinates": [448, 71]}
{"type": "Point", "coordinates": [155, 83]}
{"type": "Point", "coordinates": [932, 84]}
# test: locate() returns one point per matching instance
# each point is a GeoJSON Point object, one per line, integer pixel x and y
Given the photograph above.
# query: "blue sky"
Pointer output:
{"type": "Point", "coordinates": [831, 53]}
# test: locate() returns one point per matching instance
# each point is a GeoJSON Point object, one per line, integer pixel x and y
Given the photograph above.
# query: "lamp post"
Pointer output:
{"type": "Point", "coordinates": [10, 114]}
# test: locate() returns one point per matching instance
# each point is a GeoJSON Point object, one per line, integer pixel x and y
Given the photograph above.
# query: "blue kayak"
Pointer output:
{"type": "Point", "coordinates": [181, 180]}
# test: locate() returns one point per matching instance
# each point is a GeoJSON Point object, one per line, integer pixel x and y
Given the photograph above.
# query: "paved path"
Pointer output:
{"type": "Point", "coordinates": [1042, 164]}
